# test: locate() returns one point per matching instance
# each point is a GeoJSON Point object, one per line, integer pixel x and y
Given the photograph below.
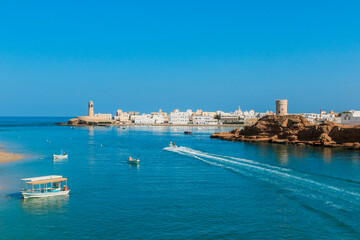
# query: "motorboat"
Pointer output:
{"type": "Point", "coordinates": [46, 186]}
{"type": "Point", "coordinates": [133, 161]}
{"type": "Point", "coordinates": [187, 132]}
{"type": "Point", "coordinates": [60, 156]}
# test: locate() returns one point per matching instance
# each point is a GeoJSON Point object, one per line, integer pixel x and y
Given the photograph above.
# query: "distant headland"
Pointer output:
{"type": "Point", "coordinates": [160, 118]}
{"type": "Point", "coordinates": [237, 118]}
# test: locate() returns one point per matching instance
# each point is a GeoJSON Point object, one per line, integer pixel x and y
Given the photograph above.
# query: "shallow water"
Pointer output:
{"type": "Point", "coordinates": [204, 189]}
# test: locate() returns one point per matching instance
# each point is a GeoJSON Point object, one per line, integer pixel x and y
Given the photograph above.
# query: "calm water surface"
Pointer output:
{"type": "Point", "coordinates": [205, 189]}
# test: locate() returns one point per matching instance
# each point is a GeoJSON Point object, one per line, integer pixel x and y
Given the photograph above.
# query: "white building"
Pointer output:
{"type": "Point", "coordinates": [205, 120]}
{"type": "Point", "coordinates": [148, 119]}
{"type": "Point", "coordinates": [163, 114]}
{"type": "Point", "coordinates": [107, 116]}
{"type": "Point", "coordinates": [133, 115]}
{"type": "Point", "coordinates": [322, 117]}
{"type": "Point", "coordinates": [263, 114]}
{"type": "Point", "coordinates": [122, 116]}
{"type": "Point", "coordinates": [143, 119]}
{"type": "Point", "coordinates": [233, 117]}
{"type": "Point", "coordinates": [350, 117]}
{"type": "Point", "coordinates": [158, 119]}
{"type": "Point", "coordinates": [177, 117]}
{"type": "Point", "coordinates": [229, 117]}
{"type": "Point", "coordinates": [312, 117]}
{"type": "Point", "coordinates": [238, 112]}
{"type": "Point", "coordinates": [238, 116]}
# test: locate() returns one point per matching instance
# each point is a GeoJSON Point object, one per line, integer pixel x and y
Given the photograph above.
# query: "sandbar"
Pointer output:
{"type": "Point", "coordinates": [5, 156]}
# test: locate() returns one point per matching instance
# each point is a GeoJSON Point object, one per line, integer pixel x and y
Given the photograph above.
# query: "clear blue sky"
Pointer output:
{"type": "Point", "coordinates": [55, 56]}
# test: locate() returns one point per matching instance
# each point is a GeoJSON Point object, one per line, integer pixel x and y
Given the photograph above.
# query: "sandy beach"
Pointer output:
{"type": "Point", "coordinates": [5, 156]}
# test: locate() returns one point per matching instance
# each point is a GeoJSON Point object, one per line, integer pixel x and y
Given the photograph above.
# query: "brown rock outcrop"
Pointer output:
{"type": "Point", "coordinates": [295, 129]}
{"type": "Point", "coordinates": [87, 121]}
{"type": "Point", "coordinates": [73, 121]}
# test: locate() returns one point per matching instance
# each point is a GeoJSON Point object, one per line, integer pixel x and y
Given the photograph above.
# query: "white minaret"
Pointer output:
{"type": "Point", "coordinates": [281, 107]}
{"type": "Point", "coordinates": [91, 109]}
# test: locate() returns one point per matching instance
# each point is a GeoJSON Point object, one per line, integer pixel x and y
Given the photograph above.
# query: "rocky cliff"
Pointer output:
{"type": "Point", "coordinates": [295, 129]}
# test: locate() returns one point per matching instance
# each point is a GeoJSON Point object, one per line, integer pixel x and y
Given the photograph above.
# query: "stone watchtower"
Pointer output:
{"type": "Point", "coordinates": [281, 107]}
{"type": "Point", "coordinates": [91, 109]}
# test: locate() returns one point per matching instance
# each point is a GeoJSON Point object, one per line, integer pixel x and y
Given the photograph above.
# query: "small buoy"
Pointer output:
{"type": "Point", "coordinates": [101, 145]}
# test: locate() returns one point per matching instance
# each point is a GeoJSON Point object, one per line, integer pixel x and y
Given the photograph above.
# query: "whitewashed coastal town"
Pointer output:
{"type": "Point", "coordinates": [205, 118]}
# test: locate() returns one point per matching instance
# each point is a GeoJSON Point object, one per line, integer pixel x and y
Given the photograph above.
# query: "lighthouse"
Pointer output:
{"type": "Point", "coordinates": [91, 109]}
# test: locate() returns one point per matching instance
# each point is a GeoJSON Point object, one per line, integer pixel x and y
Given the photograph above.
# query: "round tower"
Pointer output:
{"type": "Point", "coordinates": [91, 109]}
{"type": "Point", "coordinates": [281, 107]}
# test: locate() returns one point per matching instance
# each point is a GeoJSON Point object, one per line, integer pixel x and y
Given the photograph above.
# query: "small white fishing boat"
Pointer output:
{"type": "Point", "coordinates": [46, 186]}
{"type": "Point", "coordinates": [133, 161]}
{"type": "Point", "coordinates": [60, 156]}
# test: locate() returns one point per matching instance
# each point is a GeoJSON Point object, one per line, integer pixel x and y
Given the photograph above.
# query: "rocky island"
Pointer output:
{"type": "Point", "coordinates": [295, 129]}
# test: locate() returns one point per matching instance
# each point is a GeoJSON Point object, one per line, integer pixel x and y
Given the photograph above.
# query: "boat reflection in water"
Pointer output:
{"type": "Point", "coordinates": [59, 160]}
{"type": "Point", "coordinates": [132, 166]}
{"type": "Point", "coordinates": [40, 206]}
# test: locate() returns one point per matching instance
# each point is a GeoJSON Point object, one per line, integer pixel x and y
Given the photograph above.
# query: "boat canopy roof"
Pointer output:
{"type": "Point", "coordinates": [41, 178]}
{"type": "Point", "coordinates": [47, 181]}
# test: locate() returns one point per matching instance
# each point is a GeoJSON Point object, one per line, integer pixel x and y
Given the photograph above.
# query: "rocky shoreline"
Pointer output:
{"type": "Point", "coordinates": [296, 130]}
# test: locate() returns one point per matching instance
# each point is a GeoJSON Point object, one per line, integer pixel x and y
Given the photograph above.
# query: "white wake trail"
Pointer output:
{"type": "Point", "coordinates": [283, 173]}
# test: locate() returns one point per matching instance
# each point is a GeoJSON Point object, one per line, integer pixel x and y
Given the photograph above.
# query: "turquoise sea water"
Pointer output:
{"type": "Point", "coordinates": [205, 189]}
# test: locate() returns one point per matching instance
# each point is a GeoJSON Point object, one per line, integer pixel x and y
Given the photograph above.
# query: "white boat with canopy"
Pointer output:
{"type": "Point", "coordinates": [46, 186]}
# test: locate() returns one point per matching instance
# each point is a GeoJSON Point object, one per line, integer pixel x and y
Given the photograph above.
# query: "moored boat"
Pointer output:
{"type": "Point", "coordinates": [63, 155]}
{"type": "Point", "coordinates": [46, 186]}
{"type": "Point", "coordinates": [133, 161]}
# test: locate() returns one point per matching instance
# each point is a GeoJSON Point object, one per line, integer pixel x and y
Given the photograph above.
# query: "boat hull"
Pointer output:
{"type": "Point", "coordinates": [42, 195]}
{"type": "Point", "coordinates": [135, 162]}
{"type": "Point", "coordinates": [60, 156]}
